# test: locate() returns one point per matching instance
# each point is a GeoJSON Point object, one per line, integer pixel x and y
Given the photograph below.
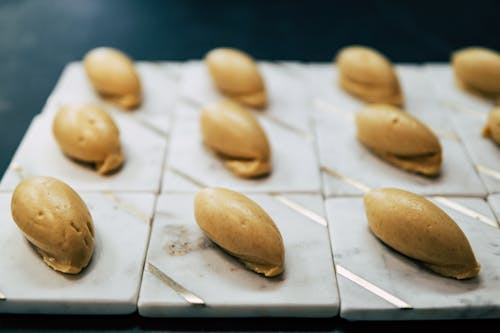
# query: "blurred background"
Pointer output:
{"type": "Point", "coordinates": [38, 37]}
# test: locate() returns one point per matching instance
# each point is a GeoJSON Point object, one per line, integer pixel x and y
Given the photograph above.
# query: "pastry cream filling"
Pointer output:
{"type": "Point", "coordinates": [87, 133]}
{"type": "Point", "coordinates": [417, 228]}
{"type": "Point", "coordinates": [56, 221]}
{"type": "Point", "coordinates": [237, 76]}
{"type": "Point", "coordinates": [256, 99]}
{"type": "Point", "coordinates": [237, 137]}
{"type": "Point", "coordinates": [241, 228]}
{"type": "Point", "coordinates": [399, 138]}
{"type": "Point", "coordinates": [113, 75]}
{"type": "Point", "coordinates": [428, 164]}
{"type": "Point", "coordinates": [478, 70]}
{"type": "Point", "coordinates": [372, 92]}
{"type": "Point", "coordinates": [492, 127]}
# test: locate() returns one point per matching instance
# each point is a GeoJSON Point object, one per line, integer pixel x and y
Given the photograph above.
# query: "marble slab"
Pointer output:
{"type": "Point", "coordinates": [178, 247]}
{"type": "Point", "coordinates": [341, 152]}
{"type": "Point", "coordinates": [432, 296]}
{"type": "Point", "coordinates": [295, 167]}
{"type": "Point", "coordinates": [287, 93]}
{"type": "Point", "coordinates": [109, 285]}
{"type": "Point", "coordinates": [39, 154]}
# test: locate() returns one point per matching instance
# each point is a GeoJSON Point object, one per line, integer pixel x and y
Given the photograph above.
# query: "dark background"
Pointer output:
{"type": "Point", "coordinates": [38, 37]}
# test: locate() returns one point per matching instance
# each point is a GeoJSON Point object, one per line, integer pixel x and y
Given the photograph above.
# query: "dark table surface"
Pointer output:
{"type": "Point", "coordinates": [38, 37]}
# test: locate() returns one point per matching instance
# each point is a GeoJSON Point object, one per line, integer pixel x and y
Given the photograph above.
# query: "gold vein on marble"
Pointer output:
{"type": "Point", "coordinates": [323, 106]}
{"type": "Point", "coordinates": [488, 171]}
{"type": "Point", "coordinates": [300, 209]}
{"type": "Point", "coordinates": [372, 288]}
{"type": "Point", "coordinates": [185, 176]}
{"type": "Point", "coordinates": [19, 170]}
{"type": "Point", "coordinates": [465, 211]}
{"type": "Point", "coordinates": [127, 206]}
{"type": "Point", "coordinates": [190, 297]}
{"type": "Point", "coordinates": [360, 186]}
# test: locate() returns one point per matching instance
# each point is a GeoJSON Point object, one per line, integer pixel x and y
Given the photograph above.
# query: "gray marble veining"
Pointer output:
{"type": "Point", "coordinates": [39, 154]}
{"type": "Point", "coordinates": [432, 296]}
{"type": "Point", "coordinates": [180, 249]}
{"type": "Point", "coordinates": [295, 168]}
{"type": "Point", "coordinates": [340, 151]}
{"type": "Point", "coordinates": [109, 285]}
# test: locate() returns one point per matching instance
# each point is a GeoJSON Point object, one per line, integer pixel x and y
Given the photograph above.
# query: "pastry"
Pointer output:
{"type": "Point", "coordinates": [237, 76]}
{"type": "Point", "coordinates": [54, 218]}
{"type": "Point", "coordinates": [368, 75]}
{"type": "Point", "coordinates": [399, 138]}
{"type": "Point", "coordinates": [88, 133]}
{"type": "Point", "coordinates": [417, 228]}
{"type": "Point", "coordinates": [492, 128]}
{"type": "Point", "coordinates": [241, 228]}
{"type": "Point", "coordinates": [113, 76]}
{"type": "Point", "coordinates": [478, 69]}
{"type": "Point", "coordinates": [236, 135]}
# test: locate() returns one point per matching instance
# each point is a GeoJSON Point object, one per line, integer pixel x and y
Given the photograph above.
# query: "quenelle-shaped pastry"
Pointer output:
{"type": "Point", "coordinates": [235, 134]}
{"type": "Point", "coordinates": [492, 128]}
{"type": "Point", "coordinates": [478, 69]}
{"type": "Point", "coordinates": [113, 76]}
{"type": "Point", "coordinates": [399, 138]}
{"type": "Point", "coordinates": [237, 76]}
{"type": "Point", "coordinates": [54, 218]}
{"type": "Point", "coordinates": [417, 228]}
{"type": "Point", "coordinates": [241, 228]}
{"type": "Point", "coordinates": [88, 133]}
{"type": "Point", "coordinates": [368, 75]}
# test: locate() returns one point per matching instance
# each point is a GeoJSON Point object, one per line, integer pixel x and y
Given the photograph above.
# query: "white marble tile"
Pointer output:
{"type": "Point", "coordinates": [287, 94]}
{"type": "Point", "coordinates": [295, 168]}
{"type": "Point", "coordinates": [39, 154]}
{"type": "Point", "coordinates": [340, 151]}
{"type": "Point", "coordinates": [494, 201]}
{"type": "Point", "coordinates": [109, 285]}
{"type": "Point", "coordinates": [432, 296]}
{"type": "Point", "coordinates": [179, 248]}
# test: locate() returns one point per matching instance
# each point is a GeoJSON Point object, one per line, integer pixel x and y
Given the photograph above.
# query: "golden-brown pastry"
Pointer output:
{"type": "Point", "coordinates": [236, 135]}
{"type": "Point", "coordinates": [113, 75]}
{"type": "Point", "coordinates": [88, 133]}
{"type": "Point", "coordinates": [419, 229]}
{"type": "Point", "coordinates": [54, 218]}
{"type": "Point", "coordinates": [478, 69]}
{"type": "Point", "coordinates": [368, 75]}
{"type": "Point", "coordinates": [492, 127]}
{"type": "Point", "coordinates": [241, 228]}
{"type": "Point", "coordinates": [399, 138]}
{"type": "Point", "coordinates": [237, 76]}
